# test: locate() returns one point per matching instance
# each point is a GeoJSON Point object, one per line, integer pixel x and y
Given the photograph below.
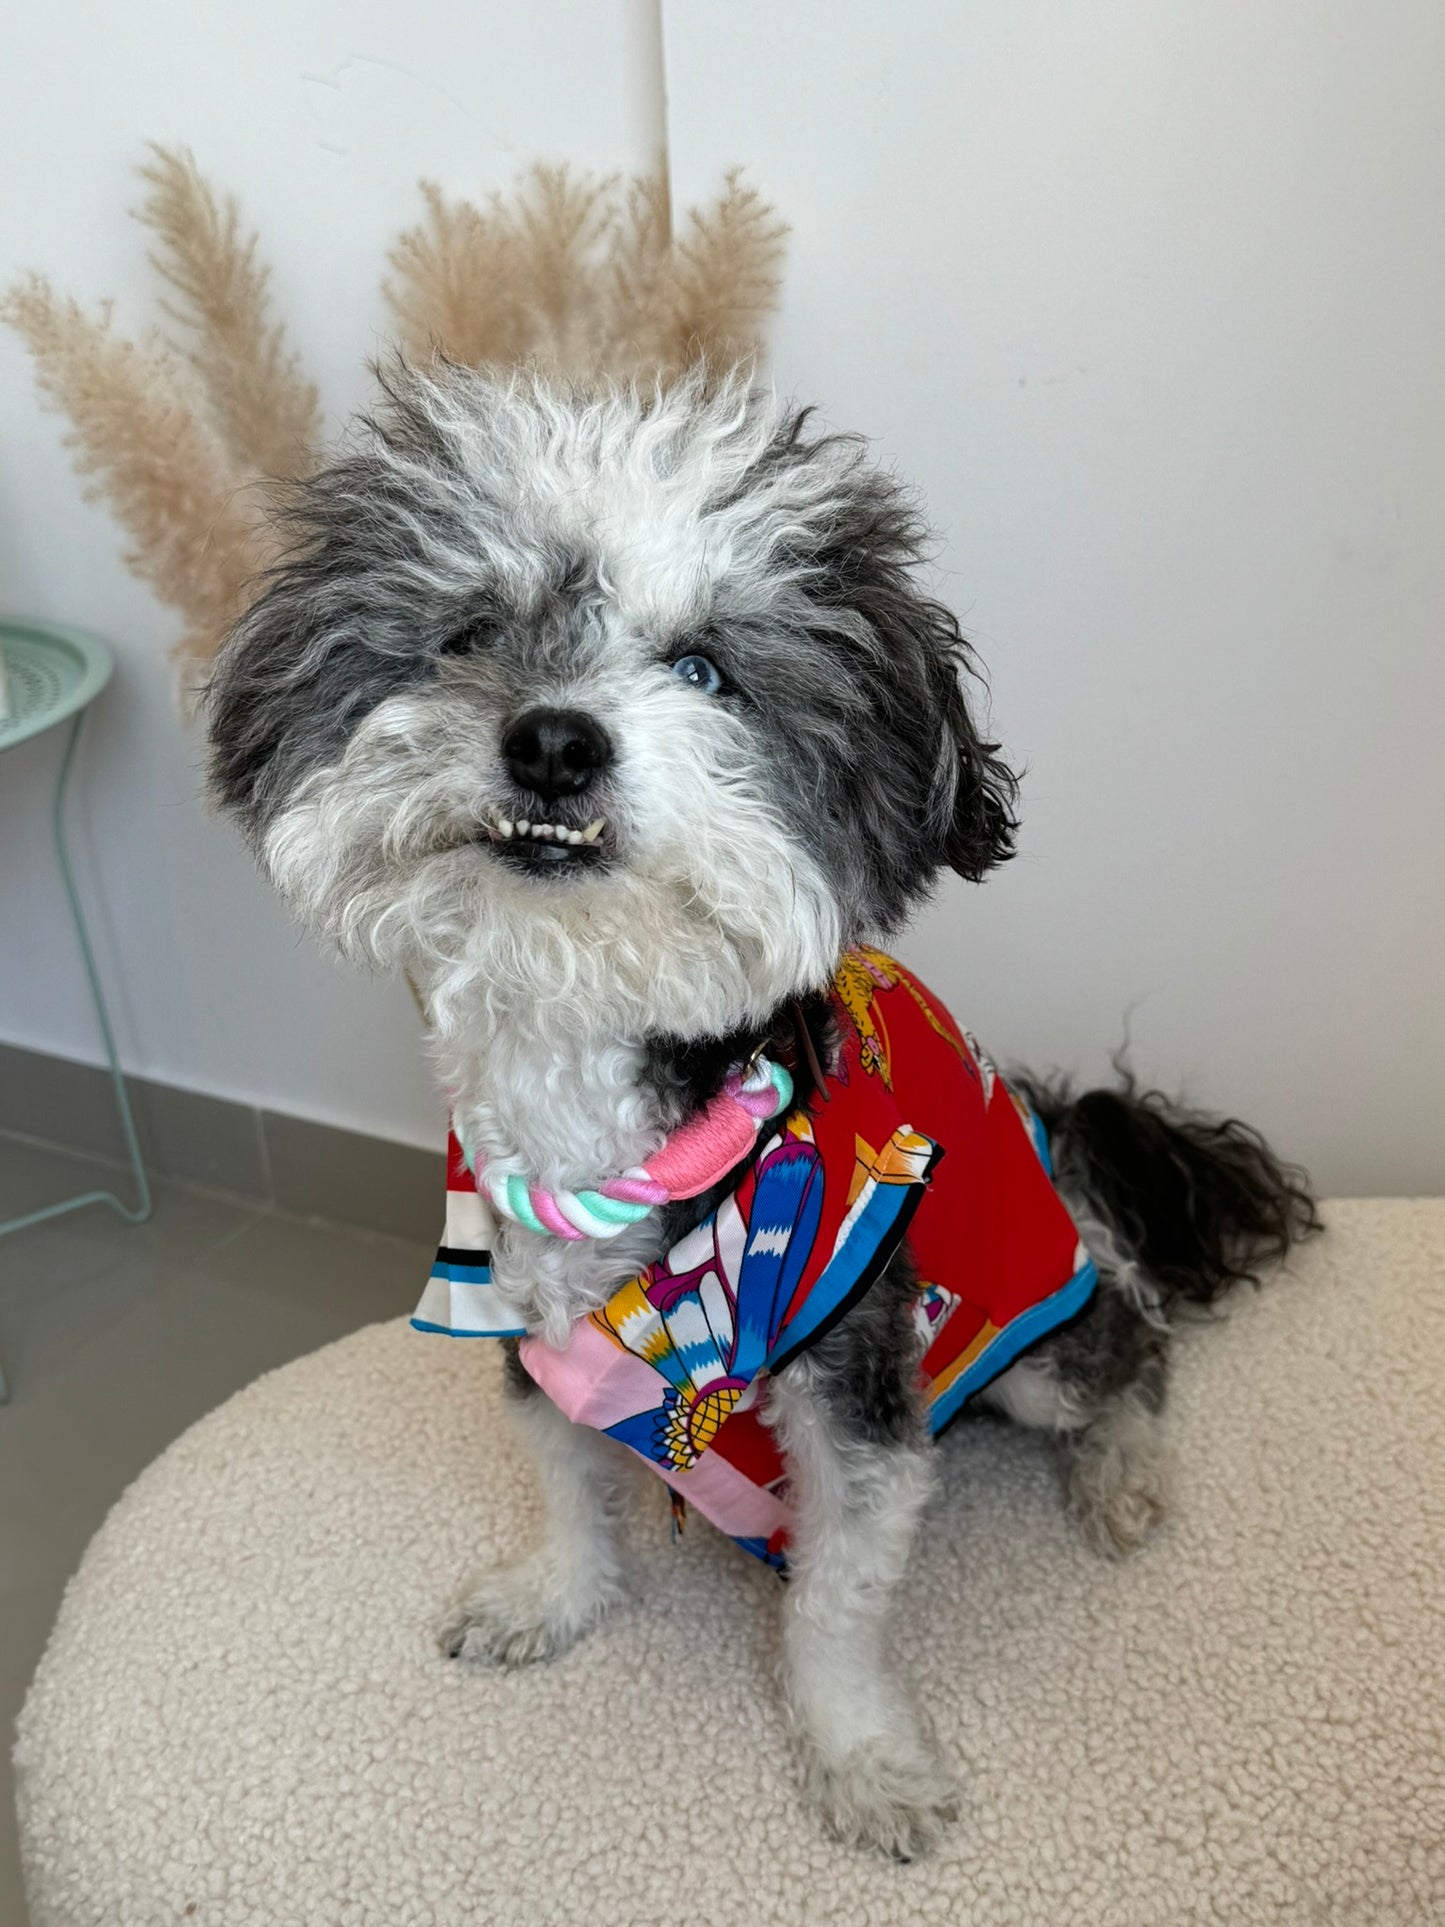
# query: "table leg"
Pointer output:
{"type": "Point", "coordinates": [143, 1206]}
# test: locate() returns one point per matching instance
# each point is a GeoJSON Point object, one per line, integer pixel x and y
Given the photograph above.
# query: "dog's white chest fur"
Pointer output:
{"type": "Point", "coordinates": [564, 1109]}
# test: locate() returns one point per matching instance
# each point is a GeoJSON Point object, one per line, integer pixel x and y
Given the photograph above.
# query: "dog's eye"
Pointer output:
{"type": "Point", "coordinates": [466, 637]}
{"type": "Point", "coordinates": [701, 672]}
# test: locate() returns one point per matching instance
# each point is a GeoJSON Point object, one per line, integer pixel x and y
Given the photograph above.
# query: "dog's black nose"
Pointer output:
{"type": "Point", "coordinates": [555, 752]}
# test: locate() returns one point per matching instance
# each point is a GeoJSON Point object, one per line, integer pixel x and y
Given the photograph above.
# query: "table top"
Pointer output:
{"type": "Point", "coordinates": [52, 671]}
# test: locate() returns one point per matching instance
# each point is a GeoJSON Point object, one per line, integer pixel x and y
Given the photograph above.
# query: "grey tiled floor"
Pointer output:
{"type": "Point", "coordinates": [115, 1339]}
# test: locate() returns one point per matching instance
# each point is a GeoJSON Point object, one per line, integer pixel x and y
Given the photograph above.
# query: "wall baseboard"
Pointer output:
{"type": "Point", "coordinates": [265, 1157]}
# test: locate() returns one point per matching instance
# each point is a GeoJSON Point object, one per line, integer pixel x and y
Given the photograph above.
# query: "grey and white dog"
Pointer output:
{"type": "Point", "coordinates": [613, 717]}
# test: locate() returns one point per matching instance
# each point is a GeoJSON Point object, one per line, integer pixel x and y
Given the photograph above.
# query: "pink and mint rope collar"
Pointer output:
{"type": "Point", "coordinates": [698, 1155]}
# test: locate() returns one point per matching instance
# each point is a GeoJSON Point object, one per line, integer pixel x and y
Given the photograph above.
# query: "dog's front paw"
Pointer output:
{"type": "Point", "coordinates": [516, 1615]}
{"type": "Point", "coordinates": [894, 1800]}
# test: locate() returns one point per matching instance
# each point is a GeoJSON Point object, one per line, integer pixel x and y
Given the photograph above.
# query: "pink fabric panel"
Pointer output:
{"type": "Point", "coordinates": [592, 1380]}
{"type": "Point", "coordinates": [596, 1383]}
{"type": "Point", "coordinates": [728, 1497]}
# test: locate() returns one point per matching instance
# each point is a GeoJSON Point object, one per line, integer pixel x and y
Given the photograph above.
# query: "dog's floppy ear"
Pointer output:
{"type": "Point", "coordinates": [951, 785]}
{"type": "Point", "coordinates": [341, 622]}
{"type": "Point", "coordinates": [976, 790]}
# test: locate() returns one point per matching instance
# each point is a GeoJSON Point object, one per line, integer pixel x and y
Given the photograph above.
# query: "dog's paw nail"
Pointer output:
{"type": "Point", "coordinates": [1121, 1518]}
{"type": "Point", "coordinates": [449, 1634]}
{"type": "Point", "coordinates": [896, 1804]}
{"type": "Point", "coordinates": [510, 1618]}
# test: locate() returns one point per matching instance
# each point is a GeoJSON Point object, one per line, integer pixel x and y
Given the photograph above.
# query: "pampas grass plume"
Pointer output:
{"type": "Point", "coordinates": [143, 445]}
{"type": "Point", "coordinates": [265, 410]}
{"type": "Point", "coordinates": [584, 277]}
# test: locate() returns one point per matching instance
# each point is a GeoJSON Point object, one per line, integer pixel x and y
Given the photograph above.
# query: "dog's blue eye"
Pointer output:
{"type": "Point", "coordinates": [464, 641]}
{"type": "Point", "coordinates": [701, 672]}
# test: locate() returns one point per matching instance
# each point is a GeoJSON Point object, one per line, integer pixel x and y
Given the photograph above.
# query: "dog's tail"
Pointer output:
{"type": "Point", "coordinates": [1197, 1202]}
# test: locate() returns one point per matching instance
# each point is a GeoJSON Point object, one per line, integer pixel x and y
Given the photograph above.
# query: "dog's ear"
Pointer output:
{"type": "Point", "coordinates": [953, 784]}
{"type": "Point", "coordinates": [306, 660]}
{"type": "Point", "coordinates": [341, 621]}
{"type": "Point", "coordinates": [976, 791]}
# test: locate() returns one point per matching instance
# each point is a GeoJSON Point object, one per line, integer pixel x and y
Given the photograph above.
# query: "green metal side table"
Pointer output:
{"type": "Point", "coordinates": [50, 675]}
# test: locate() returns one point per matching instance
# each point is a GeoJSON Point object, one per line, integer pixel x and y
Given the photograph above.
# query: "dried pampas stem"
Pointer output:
{"type": "Point", "coordinates": [563, 221]}
{"type": "Point", "coordinates": [724, 277]}
{"type": "Point", "coordinates": [633, 292]}
{"type": "Point", "coordinates": [267, 412]}
{"type": "Point", "coordinates": [142, 442]}
{"type": "Point", "coordinates": [512, 281]}
{"type": "Point", "coordinates": [454, 284]}
{"type": "Point", "coordinates": [586, 277]}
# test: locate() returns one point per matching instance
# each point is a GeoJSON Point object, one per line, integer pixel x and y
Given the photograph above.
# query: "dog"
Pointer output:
{"type": "Point", "coordinates": [616, 717]}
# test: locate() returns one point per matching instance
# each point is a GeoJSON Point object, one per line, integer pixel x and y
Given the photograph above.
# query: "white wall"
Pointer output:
{"type": "Point", "coordinates": [1147, 299]}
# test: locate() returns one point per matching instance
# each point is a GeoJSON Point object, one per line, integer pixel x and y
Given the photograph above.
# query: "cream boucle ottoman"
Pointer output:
{"type": "Point", "coordinates": [241, 1719]}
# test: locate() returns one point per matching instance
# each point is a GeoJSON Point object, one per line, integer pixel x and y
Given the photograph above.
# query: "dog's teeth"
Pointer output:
{"type": "Point", "coordinates": [593, 831]}
{"type": "Point", "coordinates": [504, 828]}
{"type": "Point", "coordinates": [522, 826]}
{"type": "Point", "coordinates": [574, 836]}
{"type": "Point", "coordinates": [542, 829]}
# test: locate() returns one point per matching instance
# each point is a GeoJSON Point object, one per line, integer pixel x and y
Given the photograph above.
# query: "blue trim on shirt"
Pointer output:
{"type": "Point", "coordinates": [454, 1331]}
{"type": "Point", "coordinates": [1021, 1332]}
{"type": "Point", "coordinates": [453, 1273]}
{"type": "Point", "coordinates": [855, 1263]}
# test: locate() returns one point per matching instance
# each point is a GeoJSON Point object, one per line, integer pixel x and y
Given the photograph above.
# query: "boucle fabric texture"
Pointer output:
{"type": "Point", "coordinates": [241, 1718]}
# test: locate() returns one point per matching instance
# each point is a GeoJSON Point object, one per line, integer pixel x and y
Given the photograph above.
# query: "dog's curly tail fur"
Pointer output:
{"type": "Point", "coordinates": [1200, 1202]}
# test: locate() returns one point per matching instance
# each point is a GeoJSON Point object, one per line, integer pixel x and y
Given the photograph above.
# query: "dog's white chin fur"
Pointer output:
{"type": "Point", "coordinates": [709, 916]}
{"type": "Point", "coordinates": [609, 953]}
